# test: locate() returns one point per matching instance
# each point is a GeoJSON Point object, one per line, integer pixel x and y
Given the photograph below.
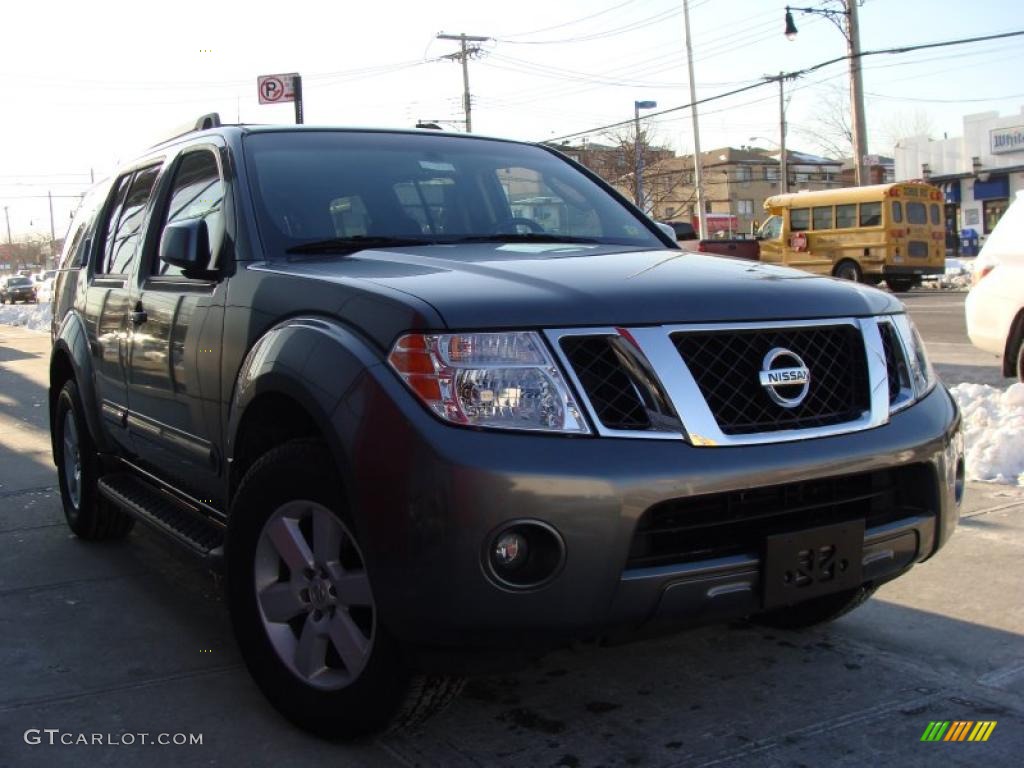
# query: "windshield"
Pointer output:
{"type": "Point", "coordinates": [18, 282]}
{"type": "Point", "coordinates": [312, 187]}
{"type": "Point", "coordinates": [771, 229]}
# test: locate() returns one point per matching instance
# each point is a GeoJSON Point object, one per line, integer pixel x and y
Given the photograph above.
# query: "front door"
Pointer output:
{"type": "Point", "coordinates": [174, 357]}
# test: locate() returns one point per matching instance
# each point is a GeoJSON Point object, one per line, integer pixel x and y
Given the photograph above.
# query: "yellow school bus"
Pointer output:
{"type": "Point", "coordinates": [891, 232]}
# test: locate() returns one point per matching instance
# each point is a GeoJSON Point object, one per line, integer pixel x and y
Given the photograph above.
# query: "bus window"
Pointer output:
{"type": "Point", "coordinates": [846, 216]}
{"type": "Point", "coordinates": [822, 217]}
{"type": "Point", "coordinates": [799, 219]}
{"type": "Point", "coordinates": [936, 216]}
{"type": "Point", "coordinates": [870, 214]}
{"type": "Point", "coordinates": [897, 212]}
{"type": "Point", "coordinates": [917, 213]}
{"type": "Point", "coordinates": [771, 229]}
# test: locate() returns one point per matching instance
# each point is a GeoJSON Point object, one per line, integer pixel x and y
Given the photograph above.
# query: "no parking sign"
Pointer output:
{"type": "Point", "coordinates": [276, 89]}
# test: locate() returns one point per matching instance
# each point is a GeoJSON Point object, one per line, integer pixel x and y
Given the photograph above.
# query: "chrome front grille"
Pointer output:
{"type": "Point", "coordinates": [702, 383]}
{"type": "Point", "coordinates": [726, 365]}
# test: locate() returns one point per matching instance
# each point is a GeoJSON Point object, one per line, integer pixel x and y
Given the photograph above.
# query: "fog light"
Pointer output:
{"type": "Point", "coordinates": [510, 551]}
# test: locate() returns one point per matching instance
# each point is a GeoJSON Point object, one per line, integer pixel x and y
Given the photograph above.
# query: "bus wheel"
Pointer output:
{"type": "Point", "coordinates": [848, 270]}
{"type": "Point", "coordinates": [899, 285]}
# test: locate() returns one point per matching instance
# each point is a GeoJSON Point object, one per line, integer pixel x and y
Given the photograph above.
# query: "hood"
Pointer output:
{"type": "Point", "coordinates": [475, 286]}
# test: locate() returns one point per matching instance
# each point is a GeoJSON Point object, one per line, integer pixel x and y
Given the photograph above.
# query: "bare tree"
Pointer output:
{"type": "Point", "coordinates": [617, 162]}
{"type": "Point", "coordinates": [831, 131]}
{"type": "Point", "coordinates": [903, 125]}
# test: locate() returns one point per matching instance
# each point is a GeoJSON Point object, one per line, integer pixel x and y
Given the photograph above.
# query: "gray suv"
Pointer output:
{"type": "Point", "coordinates": [436, 402]}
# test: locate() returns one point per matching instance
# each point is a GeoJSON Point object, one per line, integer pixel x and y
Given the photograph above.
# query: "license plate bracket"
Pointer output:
{"type": "Point", "coordinates": [812, 562]}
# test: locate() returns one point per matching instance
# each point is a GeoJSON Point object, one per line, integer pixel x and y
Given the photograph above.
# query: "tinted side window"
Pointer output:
{"type": "Point", "coordinates": [799, 219]}
{"type": "Point", "coordinates": [126, 239]}
{"type": "Point", "coordinates": [870, 214]}
{"type": "Point", "coordinates": [936, 216]}
{"type": "Point", "coordinates": [109, 225]}
{"type": "Point", "coordinates": [197, 192]}
{"type": "Point", "coordinates": [897, 212]}
{"type": "Point", "coordinates": [917, 213]}
{"type": "Point", "coordinates": [823, 217]}
{"type": "Point", "coordinates": [846, 216]}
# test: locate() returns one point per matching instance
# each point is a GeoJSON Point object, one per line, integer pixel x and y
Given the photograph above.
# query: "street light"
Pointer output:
{"type": "Point", "coordinates": [847, 22]}
{"type": "Point", "coordinates": [638, 165]}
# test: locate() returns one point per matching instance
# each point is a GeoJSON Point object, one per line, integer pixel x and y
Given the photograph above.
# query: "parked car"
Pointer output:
{"type": "Point", "coordinates": [995, 305]}
{"type": "Point", "coordinates": [15, 289]}
{"type": "Point", "coordinates": [425, 436]}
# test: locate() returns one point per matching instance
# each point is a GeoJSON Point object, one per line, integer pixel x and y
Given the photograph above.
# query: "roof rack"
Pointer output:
{"type": "Point", "coordinates": [205, 122]}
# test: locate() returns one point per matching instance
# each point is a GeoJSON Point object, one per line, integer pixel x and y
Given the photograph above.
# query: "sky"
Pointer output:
{"type": "Point", "coordinates": [88, 85]}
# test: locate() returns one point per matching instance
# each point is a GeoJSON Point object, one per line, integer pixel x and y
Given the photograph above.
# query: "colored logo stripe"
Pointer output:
{"type": "Point", "coordinates": [958, 730]}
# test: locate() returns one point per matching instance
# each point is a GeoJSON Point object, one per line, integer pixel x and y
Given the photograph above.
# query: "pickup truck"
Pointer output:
{"type": "Point", "coordinates": [436, 403]}
{"type": "Point", "coordinates": [738, 248]}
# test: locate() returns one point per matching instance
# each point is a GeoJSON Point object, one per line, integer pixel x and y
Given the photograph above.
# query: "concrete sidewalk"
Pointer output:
{"type": "Point", "coordinates": [132, 637]}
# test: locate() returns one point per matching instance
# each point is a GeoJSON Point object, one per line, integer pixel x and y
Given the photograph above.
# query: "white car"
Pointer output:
{"type": "Point", "coordinates": [995, 305]}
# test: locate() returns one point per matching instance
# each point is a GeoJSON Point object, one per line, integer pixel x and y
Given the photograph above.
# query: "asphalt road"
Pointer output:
{"type": "Point", "coordinates": [132, 637]}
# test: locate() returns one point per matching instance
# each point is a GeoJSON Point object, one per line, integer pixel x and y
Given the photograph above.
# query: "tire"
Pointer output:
{"type": "Point", "coordinates": [899, 285]}
{"type": "Point", "coordinates": [88, 516]}
{"type": "Point", "coordinates": [848, 270]}
{"type": "Point", "coordinates": [817, 610]}
{"type": "Point", "coordinates": [289, 499]}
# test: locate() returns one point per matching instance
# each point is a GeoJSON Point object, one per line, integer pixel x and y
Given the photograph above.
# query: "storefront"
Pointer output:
{"type": "Point", "coordinates": [979, 173]}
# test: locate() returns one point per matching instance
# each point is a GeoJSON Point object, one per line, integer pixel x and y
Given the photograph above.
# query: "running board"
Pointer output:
{"type": "Point", "coordinates": [169, 515]}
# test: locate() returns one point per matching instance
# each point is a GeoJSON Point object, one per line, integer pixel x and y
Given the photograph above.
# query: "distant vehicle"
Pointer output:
{"type": "Point", "coordinates": [890, 232]}
{"type": "Point", "coordinates": [995, 306]}
{"type": "Point", "coordinates": [14, 289]}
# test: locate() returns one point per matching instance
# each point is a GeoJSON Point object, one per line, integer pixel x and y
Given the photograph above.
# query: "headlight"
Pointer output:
{"type": "Point", "coordinates": [922, 374]}
{"type": "Point", "coordinates": [501, 380]}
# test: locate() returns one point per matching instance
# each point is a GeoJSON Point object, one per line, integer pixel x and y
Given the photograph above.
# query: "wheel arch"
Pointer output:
{"type": "Point", "coordinates": [289, 386]}
{"type": "Point", "coordinates": [70, 360]}
{"type": "Point", "coordinates": [1013, 341]}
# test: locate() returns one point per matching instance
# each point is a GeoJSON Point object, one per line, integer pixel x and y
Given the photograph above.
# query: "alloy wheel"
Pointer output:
{"type": "Point", "coordinates": [72, 461]}
{"type": "Point", "coordinates": [313, 595]}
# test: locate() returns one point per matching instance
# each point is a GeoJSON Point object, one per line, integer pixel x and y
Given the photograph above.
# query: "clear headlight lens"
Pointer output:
{"type": "Point", "coordinates": [501, 380]}
{"type": "Point", "coordinates": [922, 374]}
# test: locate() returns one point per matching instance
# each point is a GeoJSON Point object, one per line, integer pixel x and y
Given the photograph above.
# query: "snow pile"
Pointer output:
{"type": "Point", "coordinates": [958, 276]}
{"type": "Point", "coordinates": [993, 431]}
{"type": "Point", "coordinates": [34, 317]}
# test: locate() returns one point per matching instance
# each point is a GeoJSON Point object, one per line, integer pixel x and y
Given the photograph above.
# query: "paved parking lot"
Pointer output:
{"type": "Point", "coordinates": [132, 638]}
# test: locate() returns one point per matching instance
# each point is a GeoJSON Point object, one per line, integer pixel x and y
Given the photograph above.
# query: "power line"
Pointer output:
{"type": "Point", "coordinates": [797, 73]}
{"type": "Point", "coordinates": [571, 23]}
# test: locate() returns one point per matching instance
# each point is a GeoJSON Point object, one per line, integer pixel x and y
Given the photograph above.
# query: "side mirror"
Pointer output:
{"type": "Point", "coordinates": [186, 245]}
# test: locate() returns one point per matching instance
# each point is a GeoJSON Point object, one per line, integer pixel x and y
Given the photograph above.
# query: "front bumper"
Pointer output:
{"type": "Point", "coordinates": [428, 498]}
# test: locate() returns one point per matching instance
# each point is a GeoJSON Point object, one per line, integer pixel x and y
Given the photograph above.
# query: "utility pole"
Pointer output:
{"type": "Point", "coordinates": [464, 53]}
{"type": "Point", "coordinates": [698, 172]}
{"type": "Point", "coordinates": [783, 159]}
{"type": "Point", "coordinates": [8, 219]}
{"type": "Point", "coordinates": [638, 151]}
{"type": "Point", "coordinates": [53, 236]}
{"type": "Point", "coordinates": [860, 129]}
{"type": "Point", "coordinates": [849, 25]}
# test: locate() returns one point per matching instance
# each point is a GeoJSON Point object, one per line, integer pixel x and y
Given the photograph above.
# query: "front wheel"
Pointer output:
{"type": "Point", "coordinates": [303, 608]}
{"type": "Point", "coordinates": [817, 610]}
{"type": "Point", "coordinates": [899, 285]}
{"type": "Point", "coordinates": [848, 270]}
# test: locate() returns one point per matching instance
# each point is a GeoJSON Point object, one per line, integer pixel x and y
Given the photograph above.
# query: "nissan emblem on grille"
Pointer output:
{"type": "Point", "coordinates": [786, 385]}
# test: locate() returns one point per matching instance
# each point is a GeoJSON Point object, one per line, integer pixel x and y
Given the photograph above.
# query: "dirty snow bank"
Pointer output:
{"type": "Point", "coordinates": [993, 431]}
{"type": "Point", "coordinates": [34, 317]}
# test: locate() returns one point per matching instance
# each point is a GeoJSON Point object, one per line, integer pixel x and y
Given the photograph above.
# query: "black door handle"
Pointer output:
{"type": "Point", "coordinates": [139, 315]}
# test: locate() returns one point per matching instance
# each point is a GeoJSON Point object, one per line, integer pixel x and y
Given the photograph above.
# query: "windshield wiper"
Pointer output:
{"type": "Point", "coordinates": [522, 237]}
{"type": "Point", "coordinates": [344, 245]}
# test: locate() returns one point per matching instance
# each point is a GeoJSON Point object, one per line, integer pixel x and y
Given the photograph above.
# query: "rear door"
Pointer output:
{"type": "Point", "coordinates": [174, 357]}
{"type": "Point", "coordinates": [107, 299]}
